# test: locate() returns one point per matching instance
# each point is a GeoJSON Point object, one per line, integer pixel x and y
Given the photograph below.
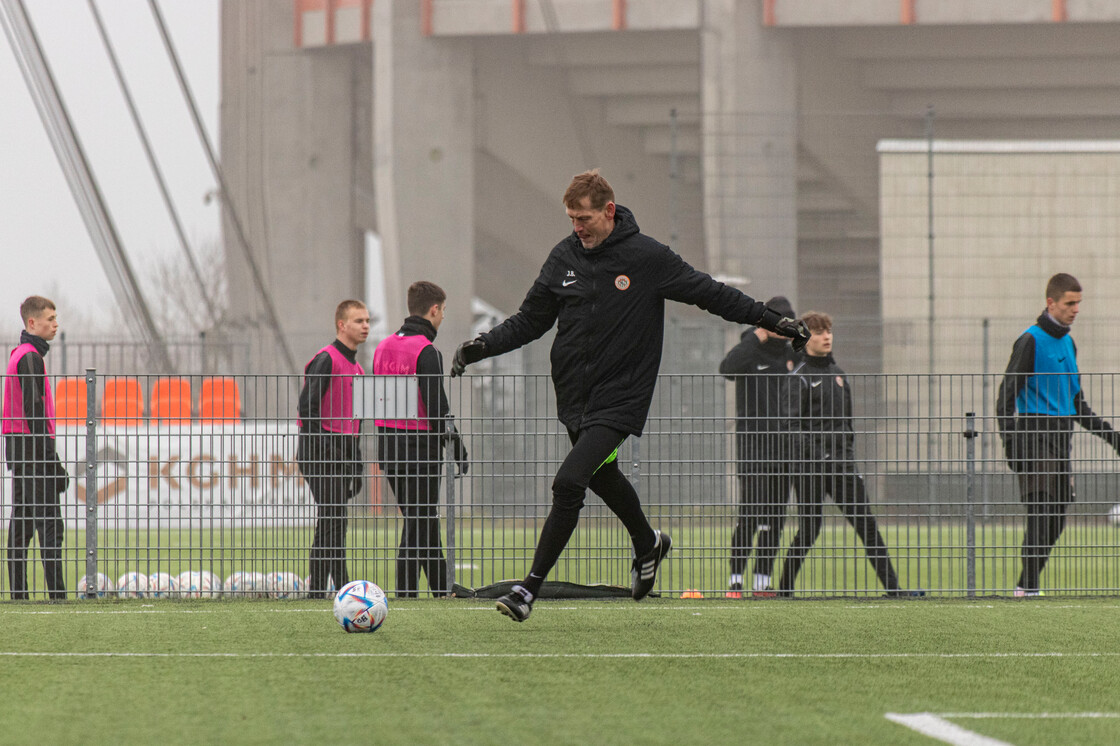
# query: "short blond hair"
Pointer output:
{"type": "Point", "coordinates": [588, 184]}
{"type": "Point", "coordinates": [344, 308]}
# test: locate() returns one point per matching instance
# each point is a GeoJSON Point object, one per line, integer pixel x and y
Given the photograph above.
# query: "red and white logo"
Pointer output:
{"type": "Point", "coordinates": [622, 282]}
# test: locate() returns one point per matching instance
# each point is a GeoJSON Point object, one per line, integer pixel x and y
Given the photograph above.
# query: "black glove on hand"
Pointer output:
{"type": "Point", "coordinates": [795, 329]}
{"type": "Point", "coordinates": [458, 452]}
{"type": "Point", "coordinates": [468, 352]}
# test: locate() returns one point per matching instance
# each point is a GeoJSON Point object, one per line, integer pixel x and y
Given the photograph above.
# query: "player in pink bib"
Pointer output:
{"type": "Point", "coordinates": [328, 452]}
{"type": "Point", "coordinates": [411, 451]}
{"type": "Point", "coordinates": [38, 476]}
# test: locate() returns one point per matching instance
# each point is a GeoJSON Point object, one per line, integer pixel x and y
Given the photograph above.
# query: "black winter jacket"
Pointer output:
{"type": "Point", "coordinates": [760, 371]}
{"type": "Point", "coordinates": [609, 306]}
{"type": "Point", "coordinates": [821, 410]}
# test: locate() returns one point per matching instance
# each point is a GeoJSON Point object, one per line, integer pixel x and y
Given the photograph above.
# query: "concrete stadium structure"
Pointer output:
{"type": "Point", "coordinates": [743, 132]}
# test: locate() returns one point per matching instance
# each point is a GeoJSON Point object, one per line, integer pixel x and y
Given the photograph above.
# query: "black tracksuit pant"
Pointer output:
{"type": "Point", "coordinates": [35, 510]}
{"type": "Point", "coordinates": [821, 479]}
{"type": "Point", "coordinates": [762, 511]}
{"type": "Point", "coordinates": [590, 463]}
{"type": "Point", "coordinates": [416, 488]}
{"type": "Point", "coordinates": [1046, 490]}
{"type": "Point", "coordinates": [328, 545]}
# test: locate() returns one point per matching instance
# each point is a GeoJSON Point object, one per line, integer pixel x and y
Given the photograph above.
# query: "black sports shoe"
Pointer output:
{"type": "Point", "coordinates": [643, 573]}
{"type": "Point", "coordinates": [514, 605]}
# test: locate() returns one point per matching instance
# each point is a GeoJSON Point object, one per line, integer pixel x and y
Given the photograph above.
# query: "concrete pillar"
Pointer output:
{"type": "Point", "coordinates": [423, 140]}
{"type": "Point", "coordinates": [289, 127]}
{"type": "Point", "coordinates": [749, 125]}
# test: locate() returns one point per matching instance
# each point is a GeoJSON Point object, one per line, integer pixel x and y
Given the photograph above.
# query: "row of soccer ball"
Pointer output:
{"type": "Point", "coordinates": [199, 584]}
{"type": "Point", "coordinates": [359, 606]}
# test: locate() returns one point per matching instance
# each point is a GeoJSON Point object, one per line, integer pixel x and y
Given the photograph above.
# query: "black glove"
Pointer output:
{"type": "Point", "coordinates": [795, 329]}
{"type": "Point", "coordinates": [458, 452]}
{"type": "Point", "coordinates": [468, 352]}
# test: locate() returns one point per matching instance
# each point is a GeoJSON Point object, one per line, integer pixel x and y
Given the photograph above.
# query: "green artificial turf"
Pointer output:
{"type": "Point", "coordinates": [455, 671]}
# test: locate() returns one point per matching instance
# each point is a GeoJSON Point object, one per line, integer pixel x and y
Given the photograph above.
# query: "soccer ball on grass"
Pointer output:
{"type": "Point", "coordinates": [360, 606]}
{"type": "Point", "coordinates": [105, 586]}
{"type": "Point", "coordinates": [132, 585]}
{"type": "Point", "coordinates": [284, 585]}
{"type": "Point", "coordinates": [161, 585]}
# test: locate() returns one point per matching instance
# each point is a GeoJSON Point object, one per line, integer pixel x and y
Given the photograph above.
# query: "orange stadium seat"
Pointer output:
{"type": "Point", "coordinates": [171, 402]}
{"type": "Point", "coordinates": [123, 403]}
{"type": "Point", "coordinates": [70, 401]}
{"type": "Point", "coordinates": [220, 401]}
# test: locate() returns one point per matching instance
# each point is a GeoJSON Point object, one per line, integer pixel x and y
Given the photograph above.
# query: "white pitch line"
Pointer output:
{"type": "Point", "coordinates": [1029, 715]}
{"type": "Point", "coordinates": [933, 726]}
{"type": "Point", "coordinates": [708, 656]}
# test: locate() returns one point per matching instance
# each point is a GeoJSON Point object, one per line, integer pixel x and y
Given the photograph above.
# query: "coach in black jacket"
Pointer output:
{"type": "Point", "coordinates": [605, 287]}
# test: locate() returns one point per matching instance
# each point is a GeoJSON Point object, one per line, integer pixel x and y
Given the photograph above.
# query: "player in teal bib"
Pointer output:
{"type": "Point", "coordinates": [1039, 400]}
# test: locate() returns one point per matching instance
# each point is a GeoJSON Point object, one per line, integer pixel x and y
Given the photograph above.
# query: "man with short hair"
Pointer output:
{"type": "Point", "coordinates": [38, 477]}
{"type": "Point", "coordinates": [604, 286]}
{"type": "Point", "coordinates": [411, 450]}
{"type": "Point", "coordinates": [759, 366]}
{"type": "Point", "coordinates": [1042, 384]}
{"type": "Point", "coordinates": [328, 451]}
{"type": "Point", "coordinates": [820, 401]}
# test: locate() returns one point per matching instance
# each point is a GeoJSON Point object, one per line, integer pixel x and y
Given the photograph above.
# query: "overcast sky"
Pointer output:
{"type": "Point", "coordinates": [43, 241]}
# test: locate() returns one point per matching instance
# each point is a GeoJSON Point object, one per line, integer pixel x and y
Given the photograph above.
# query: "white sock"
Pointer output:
{"type": "Point", "coordinates": [761, 582]}
{"type": "Point", "coordinates": [736, 580]}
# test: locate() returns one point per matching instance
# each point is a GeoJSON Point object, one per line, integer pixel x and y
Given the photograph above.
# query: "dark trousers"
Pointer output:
{"type": "Point", "coordinates": [588, 464]}
{"type": "Point", "coordinates": [1046, 491]}
{"type": "Point", "coordinates": [421, 548]}
{"type": "Point", "coordinates": [35, 510]}
{"type": "Point", "coordinates": [847, 490]}
{"type": "Point", "coordinates": [328, 546]}
{"type": "Point", "coordinates": [762, 511]}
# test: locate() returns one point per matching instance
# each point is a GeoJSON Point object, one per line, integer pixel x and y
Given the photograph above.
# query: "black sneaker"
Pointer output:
{"type": "Point", "coordinates": [643, 573]}
{"type": "Point", "coordinates": [900, 593]}
{"type": "Point", "coordinates": [514, 605]}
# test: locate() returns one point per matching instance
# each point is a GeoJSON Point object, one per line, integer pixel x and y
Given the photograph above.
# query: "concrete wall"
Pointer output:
{"type": "Point", "coordinates": [293, 128]}
{"type": "Point", "coordinates": [534, 134]}
{"type": "Point", "coordinates": [1007, 216]}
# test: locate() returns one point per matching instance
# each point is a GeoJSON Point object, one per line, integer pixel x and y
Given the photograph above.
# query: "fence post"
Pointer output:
{"type": "Point", "coordinates": [449, 476]}
{"type": "Point", "coordinates": [969, 513]}
{"type": "Point", "coordinates": [91, 483]}
{"type": "Point", "coordinates": [986, 436]}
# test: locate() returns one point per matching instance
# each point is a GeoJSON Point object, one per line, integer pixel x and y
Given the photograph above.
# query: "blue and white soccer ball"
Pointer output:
{"type": "Point", "coordinates": [194, 584]}
{"type": "Point", "coordinates": [215, 583]}
{"type": "Point", "coordinates": [360, 606]}
{"type": "Point", "coordinates": [285, 585]}
{"type": "Point", "coordinates": [245, 585]}
{"type": "Point", "coordinates": [105, 586]}
{"type": "Point", "coordinates": [161, 585]}
{"type": "Point", "coordinates": [1114, 515]}
{"type": "Point", "coordinates": [132, 585]}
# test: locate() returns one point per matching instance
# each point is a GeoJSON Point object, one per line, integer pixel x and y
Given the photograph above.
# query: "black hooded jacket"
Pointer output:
{"type": "Point", "coordinates": [609, 306]}
{"type": "Point", "coordinates": [821, 410]}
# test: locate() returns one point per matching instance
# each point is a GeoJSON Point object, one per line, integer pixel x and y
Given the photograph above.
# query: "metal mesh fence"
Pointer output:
{"type": "Point", "coordinates": [167, 478]}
